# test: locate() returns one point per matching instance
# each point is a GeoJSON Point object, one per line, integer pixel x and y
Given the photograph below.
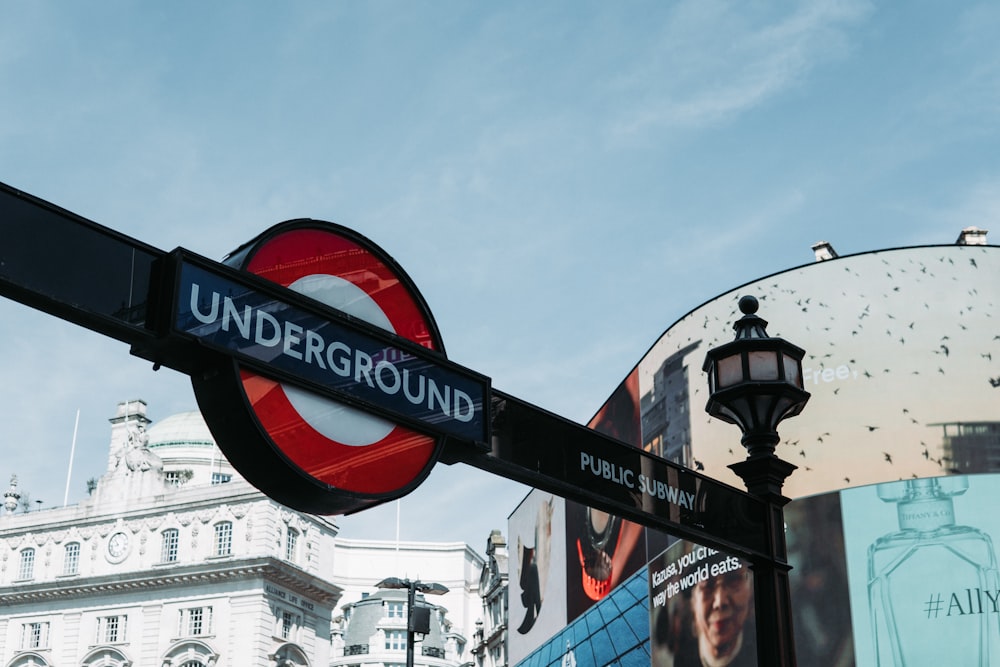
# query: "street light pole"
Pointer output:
{"type": "Point", "coordinates": [412, 586]}
{"type": "Point", "coordinates": [755, 381]}
{"type": "Point", "coordinates": [411, 599]}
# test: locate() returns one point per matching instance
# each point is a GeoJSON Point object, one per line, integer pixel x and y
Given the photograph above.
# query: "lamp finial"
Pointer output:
{"type": "Point", "coordinates": [749, 305]}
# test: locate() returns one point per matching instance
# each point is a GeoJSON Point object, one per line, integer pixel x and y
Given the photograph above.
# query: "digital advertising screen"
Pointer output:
{"type": "Point", "coordinates": [701, 608]}
{"type": "Point", "coordinates": [536, 603]}
{"type": "Point", "coordinates": [903, 366]}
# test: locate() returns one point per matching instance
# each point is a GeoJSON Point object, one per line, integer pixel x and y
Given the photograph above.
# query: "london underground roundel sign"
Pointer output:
{"type": "Point", "coordinates": [309, 451]}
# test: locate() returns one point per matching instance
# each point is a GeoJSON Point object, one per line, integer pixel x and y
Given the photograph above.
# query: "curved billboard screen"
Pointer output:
{"type": "Point", "coordinates": [902, 361]}
{"type": "Point", "coordinates": [903, 365]}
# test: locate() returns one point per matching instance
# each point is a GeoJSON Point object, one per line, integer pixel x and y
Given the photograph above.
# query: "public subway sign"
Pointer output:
{"type": "Point", "coordinates": [552, 453]}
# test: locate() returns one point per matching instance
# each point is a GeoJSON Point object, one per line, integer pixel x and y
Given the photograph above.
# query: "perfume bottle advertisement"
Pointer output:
{"type": "Point", "coordinates": [922, 571]}
{"type": "Point", "coordinates": [701, 609]}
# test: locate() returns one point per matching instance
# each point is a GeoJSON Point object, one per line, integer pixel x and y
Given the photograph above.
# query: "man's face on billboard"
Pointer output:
{"type": "Point", "coordinates": [721, 606]}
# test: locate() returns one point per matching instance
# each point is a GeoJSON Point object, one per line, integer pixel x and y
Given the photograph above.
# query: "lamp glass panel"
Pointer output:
{"type": "Point", "coordinates": [793, 370]}
{"type": "Point", "coordinates": [763, 365]}
{"type": "Point", "coordinates": [729, 370]}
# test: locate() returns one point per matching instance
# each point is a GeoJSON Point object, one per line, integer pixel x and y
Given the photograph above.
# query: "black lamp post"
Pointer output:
{"type": "Point", "coordinates": [415, 622]}
{"type": "Point", "coordinates": [755, 381]}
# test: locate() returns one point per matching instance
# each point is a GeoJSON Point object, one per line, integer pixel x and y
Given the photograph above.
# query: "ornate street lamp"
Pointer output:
{"type": "Point", "coordinates": [755, 381]}
{"type": "Point", "coordinates": [417, 620]}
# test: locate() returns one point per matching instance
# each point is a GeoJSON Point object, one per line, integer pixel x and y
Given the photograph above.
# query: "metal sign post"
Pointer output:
{"type": "Point", "coordinates": [268, 324]}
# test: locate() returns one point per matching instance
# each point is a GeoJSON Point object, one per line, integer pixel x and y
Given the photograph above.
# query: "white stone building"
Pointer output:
{"type": "Point", "coordinates": [165, 569]}
{"type": "Point", "coordinates": [489, 642]}
{"type": "Point", "coordinates": [176, 561]}
{"type": "Point", "coordinates": [373, 632]}
{"type": "Point", "coordinates": [361, 564]}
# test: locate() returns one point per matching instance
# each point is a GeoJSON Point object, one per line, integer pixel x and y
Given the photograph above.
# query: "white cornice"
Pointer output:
{"type": "Point", "coordinates": [266, 569]}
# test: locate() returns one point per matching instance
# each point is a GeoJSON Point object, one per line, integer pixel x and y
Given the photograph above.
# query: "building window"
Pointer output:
{"type": "Point", "coordinates": [395, 640]}
{"type": "Point", "coordinates": [395, 610]}
{"type": "Point", "coordinates": [496, 615]}
{"type": "Point", "coordinates": [221, 477]}
{"type": "Point", "coordinates": [223, 538]}
{"type": "Point", "coordinates": [291, 544]}
{"type": "Point", "coordinates": [71, 558]}
{"type": "Point", "coordinates": [195, 621]}
{"type": "Point", "coordinates": [288, 625]}
{"type": "Point", "coordinates": [175, 477]}
{"type": "Point", "coordinates": [168, 550]}
{"type": "Point", "coordinates": [27, 569]}
{"type": "Point", "coordinates": [111, 629]}
{"type": "Point", "coordinates": [35, 635]}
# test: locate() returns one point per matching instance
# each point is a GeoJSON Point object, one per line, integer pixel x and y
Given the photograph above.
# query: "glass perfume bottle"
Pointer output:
{"type": "Point", "coordinates": [933, 586]}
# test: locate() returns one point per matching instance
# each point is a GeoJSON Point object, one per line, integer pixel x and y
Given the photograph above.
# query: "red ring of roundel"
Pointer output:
{"type": "Point", "coordinates": [382, 467]}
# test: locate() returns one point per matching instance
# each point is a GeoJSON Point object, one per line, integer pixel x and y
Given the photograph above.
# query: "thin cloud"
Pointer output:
{"type": "Point", "coordinates": [965, 94]}
{"type": "Point", "coordinates": [713, 63]}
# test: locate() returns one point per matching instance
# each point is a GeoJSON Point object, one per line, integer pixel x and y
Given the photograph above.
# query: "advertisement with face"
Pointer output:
{"type": "Point", "coordinates": [701, 609]}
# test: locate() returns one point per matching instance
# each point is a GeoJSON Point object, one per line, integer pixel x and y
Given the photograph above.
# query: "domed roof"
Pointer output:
{"type": "Point", "coordinates": [183, 429]}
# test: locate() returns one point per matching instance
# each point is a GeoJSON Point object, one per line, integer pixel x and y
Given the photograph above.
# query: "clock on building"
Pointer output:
{"type": "Point", "coordinates": [118, 545]}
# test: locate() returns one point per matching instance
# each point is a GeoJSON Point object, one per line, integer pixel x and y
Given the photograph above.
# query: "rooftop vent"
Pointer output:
{"type": "Point", "coordinates": [972, 236]}
{"type": "Point", "coordinates": [824, 251]}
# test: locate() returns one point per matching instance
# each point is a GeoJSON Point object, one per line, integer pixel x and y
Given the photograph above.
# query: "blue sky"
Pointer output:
{"type": "Point", "coordinates": [562, 180]}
